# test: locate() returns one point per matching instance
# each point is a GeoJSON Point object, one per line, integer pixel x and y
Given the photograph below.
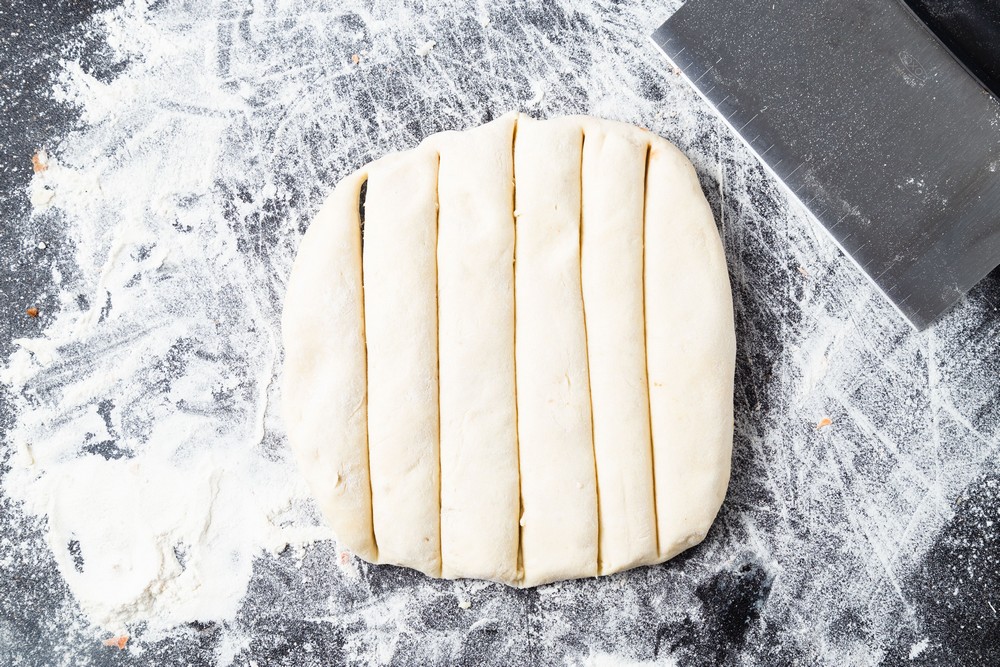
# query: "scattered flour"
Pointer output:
{"type": "Point", "coordinates": [424, 49]}
{"type": "Point", "coordinates": [146, 433]}
{"type": "Point", "coordinates": [611, 660]}
{"type": "Point", "coordinates": [917, 649]}
{"type": "Point", "coordinates": [156, 504]}
{"type": "Point", "coordinates": [539, 95]}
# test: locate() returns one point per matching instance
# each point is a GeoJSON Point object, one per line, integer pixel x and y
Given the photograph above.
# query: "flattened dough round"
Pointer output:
{"type": "Point", "coordinates": [522, 368]}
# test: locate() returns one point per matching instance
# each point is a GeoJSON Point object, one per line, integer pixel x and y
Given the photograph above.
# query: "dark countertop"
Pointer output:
{"type": "Point", "coordinates": [871, 541]}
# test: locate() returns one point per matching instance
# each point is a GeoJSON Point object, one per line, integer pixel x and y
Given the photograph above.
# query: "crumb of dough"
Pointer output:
{"type": "Point", "coordinates": [823, 423]}
{"type": "Point", "coordinates": [40, 161]}
{"type": "Point", "coordinates": [32, 312]}
{"type": "Point", "coordinates": [120, 642]}
{"type": "Point", "coordinates": [425, 48]}
{"type": "Point", "coordinates": [355, 59]}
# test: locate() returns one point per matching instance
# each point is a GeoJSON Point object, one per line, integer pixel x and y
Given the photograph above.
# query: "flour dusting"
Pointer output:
{"type": "Point", "coordinates": [146, 435]}
{"type": "Point", "coordinates": [917, 649]}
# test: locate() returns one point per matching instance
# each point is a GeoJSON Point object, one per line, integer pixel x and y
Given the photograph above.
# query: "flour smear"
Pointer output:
{"type": "Point", "coordinates": [145, 433]}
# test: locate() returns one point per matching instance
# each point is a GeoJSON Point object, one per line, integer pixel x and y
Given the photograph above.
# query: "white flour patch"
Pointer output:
{"type": "Point", "coordinates": [917, 649]}
{"type": "Point", "coordinates": [146, 433]}
{"type": "Point", "coordinates": [423, 50]}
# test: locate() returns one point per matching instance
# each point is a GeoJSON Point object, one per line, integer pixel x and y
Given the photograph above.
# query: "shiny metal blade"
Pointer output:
{"type": "Point", "coordinates": [870, 122]}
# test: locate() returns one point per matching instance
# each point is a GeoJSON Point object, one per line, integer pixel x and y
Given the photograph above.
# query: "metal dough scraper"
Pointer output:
{"type": "Point", "coordinates": [879, 129]}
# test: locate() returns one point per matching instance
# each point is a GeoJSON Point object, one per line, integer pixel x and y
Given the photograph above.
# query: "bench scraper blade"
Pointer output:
{"type": "Point", "coordinates": [870, 122]}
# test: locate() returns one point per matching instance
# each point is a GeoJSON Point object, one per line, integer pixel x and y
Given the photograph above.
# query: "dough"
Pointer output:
{"type": "Point", "coordinates": [479, 490]}
{"type": "Point", "coordinates": [536, 381]}
{"type": "Point", "coordinates": [614, 188]}
{"type": "Point", "coordinates": [690, 352]}
{"type": "Point", "coordinates": [325, 392]}
{"type": "Point", "coordinates": [400, 281]}
{"type": "Point", "coordinates": [554, 432]}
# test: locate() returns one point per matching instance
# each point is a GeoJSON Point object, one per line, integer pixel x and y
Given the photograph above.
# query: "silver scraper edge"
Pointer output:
{"type": "Point", "coordinates": [870, 122]}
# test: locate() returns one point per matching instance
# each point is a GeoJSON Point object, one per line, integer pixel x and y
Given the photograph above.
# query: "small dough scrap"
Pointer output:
{"type": "Point", "coordinates": [400, 279]}
{"type": "Point", "coordinates": [558, 483]}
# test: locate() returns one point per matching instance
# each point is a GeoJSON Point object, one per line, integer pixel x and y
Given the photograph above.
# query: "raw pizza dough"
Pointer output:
{"type": "Point", "coordinates": [525, 371]}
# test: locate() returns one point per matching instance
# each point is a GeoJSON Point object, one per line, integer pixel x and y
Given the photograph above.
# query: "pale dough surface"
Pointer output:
{"type": "Point", "coordinates": [554, 432]}
{"type": "Point", "coordinates": [613, 193]}
{"type": "Point", "coordinates": [325, 394]}
{"type": "Point", "coordinates": [527, 374]}
{"type": "Point", "coordinates": [400, 277]}
{"type": "Point", "coordinates": [479, 473]}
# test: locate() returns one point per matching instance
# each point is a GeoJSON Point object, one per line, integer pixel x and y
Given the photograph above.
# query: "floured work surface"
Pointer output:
{"type": "Point", "coordinates": [513, 358]}
{"type": "Point", "coordinates": [190, 147]}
